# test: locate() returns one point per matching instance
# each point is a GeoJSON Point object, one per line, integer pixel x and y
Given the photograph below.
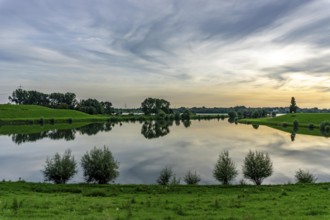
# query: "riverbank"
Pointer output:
{"type": "Point", "coordinates": [304, 120]}
{"type": "Point", "coordinates": [20, 200]}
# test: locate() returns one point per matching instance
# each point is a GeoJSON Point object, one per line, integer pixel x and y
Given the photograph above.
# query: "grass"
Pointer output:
{"type": "Point", "coordinates": [304, 119]}
{"type": "Point", "coordinates": [285, 122]}
{"type": "Point", "coordinates": [21, 200]}
{"type": "Point", "coordinates": [19, 112]}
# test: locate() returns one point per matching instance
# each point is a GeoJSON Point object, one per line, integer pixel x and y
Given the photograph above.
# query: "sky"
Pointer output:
{"type": "Point", "coordinates": [189, 52]}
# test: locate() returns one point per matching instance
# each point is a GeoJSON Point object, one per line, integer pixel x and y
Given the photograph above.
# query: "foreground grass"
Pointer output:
{"type": "Point", "coordinates": [80, 201]}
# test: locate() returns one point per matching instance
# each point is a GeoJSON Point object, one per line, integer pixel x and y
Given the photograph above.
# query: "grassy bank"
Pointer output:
{"type": "Point", "coordinates": [30, 114]}
{"type": "Point", "coordinates": [46, 201]}
{"type": "Point", "coordinates": [304, 119]}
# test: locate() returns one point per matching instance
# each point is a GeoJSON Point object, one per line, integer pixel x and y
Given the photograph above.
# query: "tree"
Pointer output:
{"type": "Point", "coordinates": [19, 96]}
{"type": "Point", "coordinates": [153, 106]}
{"type": "Point", "coordinates": [165, 176]}
{"type": "Point", "coordinates": [99, 166]}
{"type": "Point", "coordinates": [192, 178]}
{"type": "Point", "coordinates": [232, 114]}
{"type": "Point", "coordinates": [257, 166]}
{"type": "Point", "coordinates": [225, 169]}
{"type": "Point", "coordinates": [107, 107]}
{"type": "Point", "coordinates": [60, 169]}
{"type": "Point", "coordinates": [91, 106]}
{"type": "Point", "coordinates": [293, 106]}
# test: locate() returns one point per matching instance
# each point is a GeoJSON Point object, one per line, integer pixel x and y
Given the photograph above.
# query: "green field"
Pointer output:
{"type": "Point", "coordinates": [304, 119]}
{"type": "Point", "coordinates": [32, 112]}
{"type": "Point", "coordinates": [81, 201]}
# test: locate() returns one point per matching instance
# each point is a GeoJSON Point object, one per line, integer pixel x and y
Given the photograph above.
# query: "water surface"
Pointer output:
{"type": "Point", "coordinates": [195, 146]}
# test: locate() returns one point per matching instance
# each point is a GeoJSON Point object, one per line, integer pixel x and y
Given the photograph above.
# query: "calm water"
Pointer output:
{"type": "Point", "coordinates": [193, 148]}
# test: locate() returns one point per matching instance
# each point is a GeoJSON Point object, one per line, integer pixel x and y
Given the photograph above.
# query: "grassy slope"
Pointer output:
{"type": "Point", "coordinates": [304, 119]}
{"type": "Point", "coordinates": [46, 201]}
{"type": "Point", "coordinates": [28, 112]}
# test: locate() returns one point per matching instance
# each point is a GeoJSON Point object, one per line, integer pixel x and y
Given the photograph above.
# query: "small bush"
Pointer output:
{"type": "Point", "coordinates": [257, 166]}
{"type": "Point", "coordinates": [295, 125]}
{"type": "Point", "coordinates": [191, 178]}
{"type": "Point", "coordinates": [52, 121]}
{"type": "Point", "coordinates": [70, 120]}
{"type": "Point", "coordinates": [225, 169]}
{"type": "Point", "coordinates": [60, 169]}
{"type": "Point", "coordinates": [304, 176]}
{"type": "Point", "coordinates": [99, 166]}
{"type": "Point", "coordinates": [311, 126]}
{"type": "Point", "coordinates": [165, 176]}
{"type": "Point", "coordinates": [41, 121]}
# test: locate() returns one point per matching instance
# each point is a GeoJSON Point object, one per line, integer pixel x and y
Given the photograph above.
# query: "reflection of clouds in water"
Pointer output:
{"type": "Point", "coordinates": [195, 148]}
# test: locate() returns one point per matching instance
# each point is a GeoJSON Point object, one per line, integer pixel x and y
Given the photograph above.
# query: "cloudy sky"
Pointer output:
{"type": "Point", "coordinates": [190, 52]}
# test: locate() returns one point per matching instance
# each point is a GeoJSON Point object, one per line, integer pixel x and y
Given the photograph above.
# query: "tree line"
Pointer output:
{"type": "Point", "coordinates": [61, 101]}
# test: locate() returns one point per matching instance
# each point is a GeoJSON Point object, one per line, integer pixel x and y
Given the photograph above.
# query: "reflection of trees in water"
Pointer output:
{"type": "Point", "coordinates": [159, 128]}
{"type": "Point", "coordinates": [66, 134]}
{"type": "Point", "coordinates": [186, 123]}
{"type": "Point", "coordinates": [255, 126]}
{"type": "Point", "coordinates": [293, 136]}
{"type": "Point", "coordinates": [93, 129]}
{"type": "Point", "coordinates": [155, 129]}
{"type": "Point", "coordinates": [22, 138]}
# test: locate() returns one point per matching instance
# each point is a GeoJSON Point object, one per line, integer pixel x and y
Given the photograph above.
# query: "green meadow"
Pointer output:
{"type": "Point", "coordinates": [21, 200]}
{"type": "Point", "coordinates": [309, 123]}
{"type": "Point", "coordinates": [33, 112]}
{"type": "Point", "coordinates": [304, 119]}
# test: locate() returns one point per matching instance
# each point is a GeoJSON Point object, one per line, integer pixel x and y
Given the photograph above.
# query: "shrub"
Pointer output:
{"type": "Point", "coordinates": [311, 126]}
{"type": "Point", "coordinates": [191, 178]}
{"type": "Point", "coordinates": [99, 166]}
{"type": "Point", "coordinates": [52, 121]}
{"type": "Point", "coordinates": [41, 121]}
{"type": "Point", "coordinates": [225, 169]}
{"type": "Point", "coordinates": [165, 176]}
{"type": "Point", "coordinates": [257, 166]}
{"type": "Point", "coordinates": [60, 169]}
{"type": "Point", "coordinates": [295, 125]}
{"type": "Point", "coordinates": [303, 176]}
{"type": "Point", "coordinates": [324, 126]}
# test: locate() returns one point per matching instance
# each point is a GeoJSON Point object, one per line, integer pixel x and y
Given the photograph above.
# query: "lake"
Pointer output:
{"type": "Point", "coordinates": [194, 146]}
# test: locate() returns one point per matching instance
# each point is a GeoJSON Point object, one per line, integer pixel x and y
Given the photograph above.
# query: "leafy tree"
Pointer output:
{"type": "Point", "coordinates": [293, 106]}
{"type": "Point", "coordinates": [155, 129]}
{"type": "Point", "coordinates": [91, 106]}
{"type": "Point", "coordinates": [19, 96]}
{"type": "Point", "coordinates": [225, 169]}
{"type": "Point", "coordinates": [192, 178]}
{"type": "Point", "coordinates": [232, 114]}
{"type": "Point", "coordinates": [165, 176]}
{"type": "Point", "coordinates": [99, 166]}
{"type": "Point", "coordinates": [107, 107]}
{"type": "Point", "coordinates": [257, 166]}
{"type": "Point", "coordinates": [186, 115]}
{"type": "Point", "coordinates": [303, 176]}
{"type": "Point", "coordinates": [60, 169]}
{"type": "Point", "coordinates": [153, 106]}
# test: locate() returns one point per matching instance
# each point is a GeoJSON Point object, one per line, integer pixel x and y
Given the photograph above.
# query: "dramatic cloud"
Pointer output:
{"type": "Point", "coordinates": [193, 53]}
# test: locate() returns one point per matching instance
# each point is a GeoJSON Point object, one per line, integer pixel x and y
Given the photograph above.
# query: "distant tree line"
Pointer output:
{"type": "Point", "coordinates": [60, 100]}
